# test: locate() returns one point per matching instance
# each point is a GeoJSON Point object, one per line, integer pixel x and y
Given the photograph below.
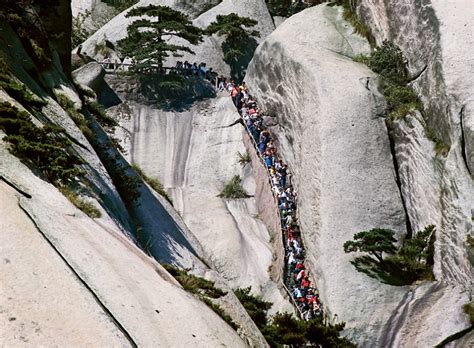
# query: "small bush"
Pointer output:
{"type": "Point", "coordinates": [194, 284]}
{"type": "Point", "coordinates": [389, 62]}
{"type": "Point", "coordinates": [244, 158]}
{"type": "Point", "coordinates": [18, 90]}
{"type": "Point", "coordinates": [255, 306]}
{"type": "Point", "coordinates": [88, 208]}
{"type": "Point", "coordinates": [441, 148]}
{"type": "Point", "coordinates": [101, 115]}
{"type": "Point", "coordinates": [47, 148]}
{"type": "Point", "coordinates": [78, 118]}
{"type": "Point", "coordinates": [359, 26]}
{"type": "Point", "coordinates": [233, 189]}
{"type": "Point", "coordinates": [220, 312]}
{"type": "Point", "coordinates": [154, 183]}
{"type": "Point", "coordinates": [287, 330]}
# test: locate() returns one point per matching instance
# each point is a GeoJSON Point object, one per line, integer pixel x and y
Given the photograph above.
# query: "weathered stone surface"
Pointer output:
{"type": "Point", "coordinates": [137, 292]}
{"type": "Point", "coordinates": [194, 153]}
{"type": "Point", "coordinates": [338, 149]}
{"type": "Point", "coordinates": [320, 100]}
{"type": "Point", "coordinates": [90, 75]}
{"type": "Point", "coordinates": [43, 302]}
{"type": "Point", "coordinates": [437, 40]}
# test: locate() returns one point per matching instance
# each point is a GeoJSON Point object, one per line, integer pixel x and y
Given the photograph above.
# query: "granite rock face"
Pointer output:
{"type": "Point", "coordinates": [194, 154]}
{"type": "Point", "coordinates": [331, 130]}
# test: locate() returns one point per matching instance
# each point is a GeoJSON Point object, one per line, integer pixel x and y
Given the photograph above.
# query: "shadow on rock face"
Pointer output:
{"type": "Point", "coordinates": [173, 92]}
{"type": "Point", "coordinates": [384, 272]}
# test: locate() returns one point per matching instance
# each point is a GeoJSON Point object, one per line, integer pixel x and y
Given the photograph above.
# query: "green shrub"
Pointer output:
{"type": "Point", "coordinates": [47, 148]}
{"type": "Point", "coordinates": [87, 207]}
{"type": "Point", "coordinates": [244, 158]}
{"type": "Point", "coordinates": [220, 312]}
{"type": "Point", "coordinates": [79, 33]}
{"type": "Point", "coordinates": [78, 118]}
{"type": "Point", "coordinates": [101, 115]}
{"type": "Point", "coordinates": [287, 330]}
{"type": "Point", "coordinates": [359, 26]}
{"type": "Point", "coordinates": [233, 189]}
{"type": "Point", "coordinates": [255, 306]}
{"type": "Point", "coordinates": [194, 284]}
{"type": "Point", "coordinates": [18, 90]}
{"type": "Point", "coordinates": [389, 62]}
{"type": "Point", "coordinates": [441, 148]}
{"type": "Point", "coordinates": [153, 182]}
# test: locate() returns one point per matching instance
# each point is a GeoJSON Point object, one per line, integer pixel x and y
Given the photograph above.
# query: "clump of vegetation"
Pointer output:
{"type": "Point", "coordinates": [233, 189]}
{"type": "Point", "coordinates": [239, 44]}
{"type": "Point", "coordinates": [244, 158]}
{"type": "Point", "coordinates": [101, 115]}
{"type": "Point", "coordinates": [148, 41]}
{"type": "Point", "coordinates": [78, 118]}
{"type": "Point", "coordinates": [121, 5]}
{"type": "Point", "coordinates": [412, 261]}
{"type": "Point", "coordinates": [18, 90]}
{"type": "Point", "coordinates": [47, 148]}
{"type": "Point", "coordinates": [194, 284]}
{"type": "Point", "coordinates": [359, 26]}
{"type": "Point", "coordinates": [284, 329]}
{"type": "Point", "coordinates": [153, 182]}
{"type": "Point", "coordinates": [203, 289]}
{"type": "Point", "coordinates": [287, 330]}
{"type": "Point", "coordinates": [24, 16]}
{"type": "Point", "coordinates": [255, 306]}
{"type": "Point", "coordinates": [79, 33]}
{"type": "Point", "coordinates": [440, 147]}
{"type": "Point", "coordinates": [127, 185]}
{"type": "Point", "coordinates": [88, 208]}
{"type": "Point", "coordinates": [287, 8]}
{"type": "Point", "coordinates": [388, 61]}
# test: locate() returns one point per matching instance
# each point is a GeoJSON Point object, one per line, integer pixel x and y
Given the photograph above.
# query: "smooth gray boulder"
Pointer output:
{"type": "Point", "coordinates": [90, 75]}
{"type": "Point", "coordinates": [329, 131]}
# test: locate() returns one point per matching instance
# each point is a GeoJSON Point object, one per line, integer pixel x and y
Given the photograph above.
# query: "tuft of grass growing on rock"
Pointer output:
{"type": "Point", "coordinates": [153, 182]}
{"type": "Point", "coordinates": [220, 312]}
{"type": "Point", "coordinates": [203, 289]}
{"type": "Point", "coordinates": [440, 147]}
{"type": "Point", "coordinates": [194, 284]}
{"type": "Point", "coordinates": [78, 118]}
{"type": "Point", "coordinates": [233, 189]}
{"type": "Point", "coordinates": [243, 158]}
{"type": "Point", "coordinates": [88, 208]}
{"type": "Point", "coordinates": [359, 26]}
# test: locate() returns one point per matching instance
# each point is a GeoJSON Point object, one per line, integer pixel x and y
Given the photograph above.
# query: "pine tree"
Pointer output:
{"type": "Point", "coordinates": [148, 39]}
{"type": "Point", "coordinates": [375, 242]}
{"type": "Point", "coordinates": [239, 44]}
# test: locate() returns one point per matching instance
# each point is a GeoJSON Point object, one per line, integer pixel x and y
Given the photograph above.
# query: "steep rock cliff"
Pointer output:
{"type": "Point", "coordinates": [194, 154]}
{"type": "Point", "coordinates": [331, 130]}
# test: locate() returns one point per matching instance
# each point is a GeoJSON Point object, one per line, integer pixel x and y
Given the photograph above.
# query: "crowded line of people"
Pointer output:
{"type": "Point", "coordinates": [296, 278]}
